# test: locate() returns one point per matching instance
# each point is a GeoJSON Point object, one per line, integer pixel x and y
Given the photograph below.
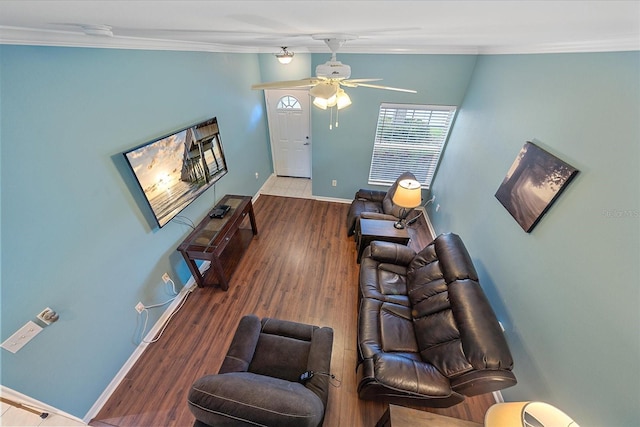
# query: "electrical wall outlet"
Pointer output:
{"type": "Point", "coordinates": [47, 316]}
{"type": "Point", "coordinates": [437, 208]}
{"type": "Point", "coordinates": [16, 341]}
{"type": "Point", "coordinates": [334, 183]}
{"type": "Point", "coordinates": [166, 278]}
{"type": "Point", "coordinates": [257, 175]}
{"type": "Point", "coordinates": [139, 307]}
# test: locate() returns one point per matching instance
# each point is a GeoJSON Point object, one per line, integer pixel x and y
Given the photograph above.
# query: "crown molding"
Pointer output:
{"type": "Point", "coordinates": [36, 37]}
{"type": "Point", "coordinates": [617, 45]}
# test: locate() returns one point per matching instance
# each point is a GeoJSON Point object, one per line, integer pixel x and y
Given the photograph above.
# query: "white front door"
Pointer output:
{"type": "Point", "coordinates": [288, 116]}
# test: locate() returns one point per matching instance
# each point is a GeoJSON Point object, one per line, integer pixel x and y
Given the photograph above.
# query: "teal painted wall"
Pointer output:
{"type": "Point", "coordinates": [344, 153]}
{"type": "Point", "coordinates": [74, 237]}
{"type": "Point", "coordinates": [568, 292]}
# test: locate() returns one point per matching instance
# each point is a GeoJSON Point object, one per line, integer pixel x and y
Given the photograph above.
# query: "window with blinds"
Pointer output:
{"type": "Point", "coordinates": [409, 138]}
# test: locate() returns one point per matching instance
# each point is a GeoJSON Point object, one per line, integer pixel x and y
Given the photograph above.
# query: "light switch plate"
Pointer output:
{"type": "Point", "coordinates": [16, 341]}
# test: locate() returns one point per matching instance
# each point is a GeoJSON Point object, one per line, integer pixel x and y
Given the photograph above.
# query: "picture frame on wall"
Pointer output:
{"type": "Point", "coordinates": [533, 183]}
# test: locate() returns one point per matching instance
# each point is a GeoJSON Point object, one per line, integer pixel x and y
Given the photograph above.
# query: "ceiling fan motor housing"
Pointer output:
{"type": "Point", "coordinates": [333, 70]}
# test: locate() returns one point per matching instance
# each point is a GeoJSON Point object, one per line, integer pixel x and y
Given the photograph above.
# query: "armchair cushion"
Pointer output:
{"type": "Point", "coordinates": [241, 398]}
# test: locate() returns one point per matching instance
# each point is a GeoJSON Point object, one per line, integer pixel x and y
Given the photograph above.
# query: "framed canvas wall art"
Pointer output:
{"type": "Point", "coordinates": [533, 183]}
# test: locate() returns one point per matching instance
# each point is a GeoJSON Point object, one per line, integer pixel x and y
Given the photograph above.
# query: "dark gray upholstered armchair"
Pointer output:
{"type": "Point", "coordinates": [259, 380]}
{"type": "Point", "coordinates": [375, 204]}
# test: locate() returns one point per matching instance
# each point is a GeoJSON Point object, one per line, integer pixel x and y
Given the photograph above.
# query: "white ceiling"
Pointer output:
{"type": "Point", "coordinates": [507, 26]}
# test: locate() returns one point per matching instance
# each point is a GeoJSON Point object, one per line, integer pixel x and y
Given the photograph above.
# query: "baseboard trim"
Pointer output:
{"type": "Point", "coordinates": [427, 220]}
{"type": "Point", "coordinates": [332, 199]}
{"type": "Point", "coordinates": [122, 373]}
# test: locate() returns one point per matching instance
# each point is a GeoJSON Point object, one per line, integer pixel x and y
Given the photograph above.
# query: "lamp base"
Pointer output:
{"type": "Point", "coordinates": [399, 225]}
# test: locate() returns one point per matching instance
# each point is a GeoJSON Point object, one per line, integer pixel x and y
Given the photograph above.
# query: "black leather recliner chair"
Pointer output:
{"type": "Point", "coordinates": [375, 204]}
{"type": "Point", "coordinates": [259, 380]}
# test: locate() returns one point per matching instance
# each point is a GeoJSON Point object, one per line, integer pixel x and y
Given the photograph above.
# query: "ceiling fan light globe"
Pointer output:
{"type": "Point", "coordinates": [284, 59]}
{"type": "Point", "coordinates": [320, 103]}
{"type": "Point", "coordinates": [284, 56]}
{"type": "Point", "coordinates": [342, 99]}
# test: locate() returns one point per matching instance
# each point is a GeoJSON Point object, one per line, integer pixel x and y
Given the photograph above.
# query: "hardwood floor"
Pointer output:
{"type": "Point", "coordinates": [300, 267]}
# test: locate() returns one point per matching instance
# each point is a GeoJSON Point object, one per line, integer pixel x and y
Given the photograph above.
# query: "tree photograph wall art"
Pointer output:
{"type": "Point", "coordinates": [534, 181]}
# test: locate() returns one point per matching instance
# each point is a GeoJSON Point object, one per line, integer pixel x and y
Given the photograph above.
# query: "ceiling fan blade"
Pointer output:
{"type": "Point", "coordinates": [397, 89]}
{"type": "Point", "coordinates": [287, 84]}
{"type": "Point", "coordinates": [356, 82]}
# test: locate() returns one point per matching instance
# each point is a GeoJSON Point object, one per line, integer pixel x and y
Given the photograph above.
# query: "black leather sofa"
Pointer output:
{"type": "Point", "coordinates": [427, 335]}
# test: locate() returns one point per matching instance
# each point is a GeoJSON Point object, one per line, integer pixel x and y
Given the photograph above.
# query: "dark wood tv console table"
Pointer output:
{"type": "Point", "coordinates": [221, 241]}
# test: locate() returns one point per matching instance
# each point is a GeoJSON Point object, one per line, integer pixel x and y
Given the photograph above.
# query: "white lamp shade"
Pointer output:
{"type": "Point", "coordinates": [521, 414]}
{"type": "Point", "coordinates": [342, 99]}
{"type": "Point", "coordinates": [408, 194]}
{"type": "Point", "coordinates": [320, 103]}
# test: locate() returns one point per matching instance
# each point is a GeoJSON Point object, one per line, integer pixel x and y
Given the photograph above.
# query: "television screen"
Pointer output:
{"type": "Point", "coordinates": [174, 170]}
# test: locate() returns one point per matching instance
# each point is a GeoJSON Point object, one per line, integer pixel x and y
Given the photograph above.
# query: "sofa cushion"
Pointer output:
{"type": "Point", "coordinates": [384, 282]}
{"type": "Point", "coordinates": [385, 327]}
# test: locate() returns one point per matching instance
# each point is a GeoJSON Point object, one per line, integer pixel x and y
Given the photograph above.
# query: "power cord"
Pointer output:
{"type": "Point", "coordinates": [166, 323]}
{"type": "Point", "coordinates": [183, 220]}
{"type": "Point", "coordinates": [415, 218]}
{"type": "Point", "coordinates": [145, 310]}
{"type": "Point", "coordinates": [306, 376]}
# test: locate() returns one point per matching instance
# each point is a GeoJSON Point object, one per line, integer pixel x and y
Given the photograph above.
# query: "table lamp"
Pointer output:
{"type": "Point", "coordinates": [526, 414]}
{"type": "Point", "coordinates": [408, 195]}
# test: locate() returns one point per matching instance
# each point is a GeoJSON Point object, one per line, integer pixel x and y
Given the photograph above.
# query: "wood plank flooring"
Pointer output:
{"type": "Point", "coordinates": [300, 267]}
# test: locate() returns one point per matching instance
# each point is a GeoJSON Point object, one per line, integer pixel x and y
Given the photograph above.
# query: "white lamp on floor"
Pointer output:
{"type": "Point", "coordinates": [526, 414]}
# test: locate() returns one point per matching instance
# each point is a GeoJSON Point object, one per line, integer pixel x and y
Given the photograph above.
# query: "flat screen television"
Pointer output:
{"type": "Point", "coordinates": [172, 171]}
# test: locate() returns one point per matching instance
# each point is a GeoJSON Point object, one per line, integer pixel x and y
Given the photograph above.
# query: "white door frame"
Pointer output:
{"type": "Point", "coordinates": [272, 96]}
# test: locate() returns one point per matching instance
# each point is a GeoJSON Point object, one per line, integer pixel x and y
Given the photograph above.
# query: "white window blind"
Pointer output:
{"type": "Point", "coordinates": [409, 138]}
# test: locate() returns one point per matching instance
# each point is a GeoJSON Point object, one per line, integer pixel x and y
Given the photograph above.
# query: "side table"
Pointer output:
{"type": "Point", "coordinates": [378, 229]}
{"type": "Point", "coordinates": [399, 416]}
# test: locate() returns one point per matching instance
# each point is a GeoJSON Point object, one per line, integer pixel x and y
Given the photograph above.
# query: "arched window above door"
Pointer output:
{"type": "Point", "coordinates": [289, 102]}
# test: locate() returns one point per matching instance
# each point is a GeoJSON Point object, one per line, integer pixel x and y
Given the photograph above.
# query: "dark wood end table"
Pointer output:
{"type": "Point", "coordinates": [378, 229]}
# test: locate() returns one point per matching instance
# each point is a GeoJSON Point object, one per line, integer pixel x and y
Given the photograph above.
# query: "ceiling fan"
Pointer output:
{"type": "Point", "coordinates": [326, 87]}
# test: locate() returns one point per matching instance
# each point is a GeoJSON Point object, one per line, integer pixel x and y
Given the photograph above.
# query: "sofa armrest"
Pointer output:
{"type": "Point", "coordinates": [243, 345]}
{"type": "Point", "coordinates": [410, 375]}
{"type": "Point", "coordinates": [479, 382]}
{"type": "Point", "coordinates": [482, 338]}
{"type": "Point", "coordinates": [320, 362]}
{"type": "Point", "coordinates": [372, 195]}
{"type": "Point", "coordinates": [392, 253]}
